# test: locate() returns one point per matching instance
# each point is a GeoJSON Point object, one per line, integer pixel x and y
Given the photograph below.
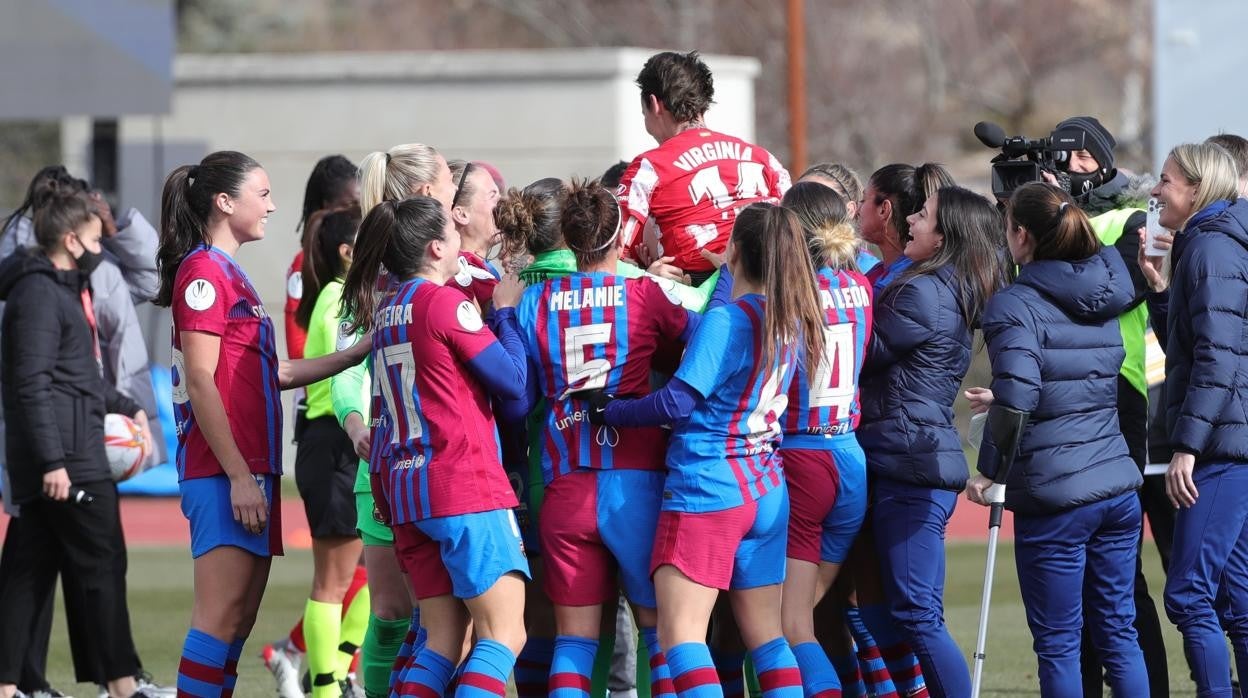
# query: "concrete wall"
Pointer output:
{"type": "Point", "coordinates": [531, 113]}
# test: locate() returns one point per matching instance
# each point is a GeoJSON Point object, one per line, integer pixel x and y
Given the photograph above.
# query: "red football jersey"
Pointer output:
{"type": "Point", "coordinates": [476, 278]}
{"type": "Point", "coordinates": [296, 336]}
{"type": "Point", "coordinates": [441, 458]}
{"type": "Point", "coordinates": [211, 294]}
{"type": "Point", "coordinates": [686, 193]}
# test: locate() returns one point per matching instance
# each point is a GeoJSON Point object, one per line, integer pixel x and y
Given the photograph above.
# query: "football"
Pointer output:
{"type": "Point", "coordinates": [125, 446]}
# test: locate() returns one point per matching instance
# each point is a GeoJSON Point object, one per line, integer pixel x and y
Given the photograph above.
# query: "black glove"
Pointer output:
{"type": "Point", "coordinates": [597, 404]}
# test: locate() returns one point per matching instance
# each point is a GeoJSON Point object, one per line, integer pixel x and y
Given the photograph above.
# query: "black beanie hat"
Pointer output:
{"type": "Point", "coordinates": [1098, 141]}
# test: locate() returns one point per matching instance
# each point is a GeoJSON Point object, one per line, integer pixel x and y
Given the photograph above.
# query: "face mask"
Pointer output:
{"type": "Point", "coordinates": [1082, 183]}
{"type": "Point", "coordinates": [88, 261]}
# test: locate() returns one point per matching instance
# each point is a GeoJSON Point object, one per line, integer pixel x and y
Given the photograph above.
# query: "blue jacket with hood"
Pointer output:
{"type": "Point", "coordinates": [1056, 350]}
{"type": "Point", "coordinates": [1206, 336]}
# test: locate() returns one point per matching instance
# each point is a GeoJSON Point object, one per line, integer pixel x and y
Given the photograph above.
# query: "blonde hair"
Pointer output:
{"type": "Point", "coordinates": [830, 235]}
{"type": "Point", "coordinates": [396, 174]}
{"type": "Point", "coordinates": [1210, 168]}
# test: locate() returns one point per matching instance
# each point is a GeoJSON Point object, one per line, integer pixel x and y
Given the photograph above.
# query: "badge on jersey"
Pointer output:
{"type": "Point", "coordinates": [346, 338]}
{"type": "Point", "coordinates": [294, 285]}
{"type": "Point", "coordinates": [200, 295]}
{"type": "Point", "coordinates": [468, 316]}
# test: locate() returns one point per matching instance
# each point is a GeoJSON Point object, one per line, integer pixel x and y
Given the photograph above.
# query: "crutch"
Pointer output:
{"type": "Point", "coordinates": [1005, 428]}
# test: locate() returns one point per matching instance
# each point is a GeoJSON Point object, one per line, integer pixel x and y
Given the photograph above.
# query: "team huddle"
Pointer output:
{"type": "Point", "coordinates": [693, 381]}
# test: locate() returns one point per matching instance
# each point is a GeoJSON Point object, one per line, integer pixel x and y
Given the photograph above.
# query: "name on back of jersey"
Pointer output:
{"type": "Point", "coordinates": [845, 298]}
{"type": "Point", "coordinates": [699, 155]}
{"type": "Point", "coordinates": [392, 315]}
{"type": "Point", "coordinates": [594, 297]}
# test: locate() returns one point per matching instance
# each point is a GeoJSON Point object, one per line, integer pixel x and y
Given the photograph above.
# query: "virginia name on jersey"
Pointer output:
{"type": "Point", "coordinates": [828, 405]}
{"type": "Point", "coordinates": [212, 295]}
{"type": "Point", "coordinates": [596, 330]}
{"type": "Point", "coordinates": [691, 187]}
{"type": "Point", "coordinates": [441, 457]}
{"type": "Point", "coordinates": [723, 454]}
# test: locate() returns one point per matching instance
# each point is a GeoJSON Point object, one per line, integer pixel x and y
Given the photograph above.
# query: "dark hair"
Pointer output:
{"type": "Point", "coordinates": [590, 221]}
{"type": "Point", "coordinates": [772, 251]}
{"type": "Point", "coordinates": [394, 234]}
{"type": "Point", "coordinates": [830, 235]}
{"type": "Point", "coordinates": [52, 180]}
{"type": "Point", "coordinates": [327, 229]}
{"type": "Point", "coordinates": [186, 206]}
{"type": "Point", "coordinates": [611, 178]}
{"type": "Point", "coordinates": [681, 81]}
{"type": "Point", "coordinates": [329, 177]}
{"type": "Point", "coordinates": [973, 239]}
{"type": "Point", "coordinates": [1237, 147]}
{"type": "Point", "coordinates": [908, 187]}
{"type": "Point", "coordinates": [61, 212]}
{"type": "Point", "coordinates": [1059, 227]}
{"type": "Point", "coordinates": [528, 219]}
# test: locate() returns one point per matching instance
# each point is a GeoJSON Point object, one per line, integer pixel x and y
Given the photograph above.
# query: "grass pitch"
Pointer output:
{"type": "Point", "coordinates": [160, 607]}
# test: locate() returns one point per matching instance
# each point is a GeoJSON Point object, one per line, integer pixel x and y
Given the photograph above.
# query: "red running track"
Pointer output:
{"type": "Point", "coordinates": [158, 522]}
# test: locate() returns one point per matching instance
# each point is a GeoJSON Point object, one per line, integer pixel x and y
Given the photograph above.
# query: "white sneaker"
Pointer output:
{"type": "Point", "coordinates": [283, 661]}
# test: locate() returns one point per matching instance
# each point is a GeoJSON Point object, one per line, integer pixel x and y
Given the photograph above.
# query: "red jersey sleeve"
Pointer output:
{"type": "Point", "coordinates": [202, 297]}
{"type": "Point", "coordinates": [778, 179]}
{"type": "Point", "coordinates": [456, 322]}
{"type": "Point", "coordinates": [636, 188]}
{"type": "Point", "coordinates": [296, 336]}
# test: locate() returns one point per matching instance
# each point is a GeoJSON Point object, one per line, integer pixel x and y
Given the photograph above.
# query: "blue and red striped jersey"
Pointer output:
{"type": "Point", "coordinates": [828, 405]}
{"type": "Point", "coordinates": [596, 331]}
{"type": "Point", "coordinates": [724, 454]}
{"type": "Point", "coordinates": [441, 457]}
{"type": "Point", "coordinates": [212, 294]}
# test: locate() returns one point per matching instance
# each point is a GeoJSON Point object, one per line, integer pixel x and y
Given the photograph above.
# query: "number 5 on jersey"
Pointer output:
{"type": "Point", "coordinates": [581, 373]}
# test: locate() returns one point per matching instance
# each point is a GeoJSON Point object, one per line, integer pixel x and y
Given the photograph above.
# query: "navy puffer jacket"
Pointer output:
{"type": "Point", "coordinates": [1207, 336]}
{"type": "Point", "coordinates": [1056, 350]}
{"type": "Point", "coordinates": [920, 352]}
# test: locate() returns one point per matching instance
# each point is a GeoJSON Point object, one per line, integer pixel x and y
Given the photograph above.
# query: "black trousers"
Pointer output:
{"type": "Point", "coordinates": [1133, 420]}
{"type": "Point", "coordinates": [83, 544]}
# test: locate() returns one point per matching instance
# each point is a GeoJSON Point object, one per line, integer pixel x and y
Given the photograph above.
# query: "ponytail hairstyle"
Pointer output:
{"type": "Point", "coordinates": [60, 211]}
{"type": "Point", "coordinates": [326, 231]}
{"type": "Point", "coordinates": [973, 239]}
{"type": "Point", "coordinates": [396, 174]}
{"type": "Point", "coordinates": [590, 221]}
{"type": "Point", "coordinates": [1059, 228]}
{"type": "Point", "coordinates": [52, 180]}
{"type": "Point", "coordinates": [830, 235]}
{"type": "Point", "coordinates": [186, 206]}
{"type": "Point", "coordinates": [771, 250]}
{"type": "Point", "coordinates": [331, 175]}
{"type": "Point", "coordinates": [394, 235]}
{"type": "Point", "coordinates": [528, 219]}
{"type": "Point", "coordinates": [908, 188]}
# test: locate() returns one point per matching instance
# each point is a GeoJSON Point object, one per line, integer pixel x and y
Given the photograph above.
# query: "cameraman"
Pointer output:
{"type": "Point", "coordinates": [1114, 202]}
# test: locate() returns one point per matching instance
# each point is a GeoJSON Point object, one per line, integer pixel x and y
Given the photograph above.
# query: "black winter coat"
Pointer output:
{"type": "Point", "coordinates": [1056, 350]}
{"type": "Point", "coordinates": [920, 352]}
{"type": "Point", "coordinates": [54, 396]}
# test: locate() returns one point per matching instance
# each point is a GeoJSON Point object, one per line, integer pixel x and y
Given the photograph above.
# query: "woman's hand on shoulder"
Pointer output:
{"type": "Point", "coordinates": [508, 291]}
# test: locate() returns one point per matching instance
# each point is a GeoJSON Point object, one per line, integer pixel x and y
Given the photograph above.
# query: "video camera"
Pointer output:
{"type": "Point", "coordinates": [1023, 159]}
